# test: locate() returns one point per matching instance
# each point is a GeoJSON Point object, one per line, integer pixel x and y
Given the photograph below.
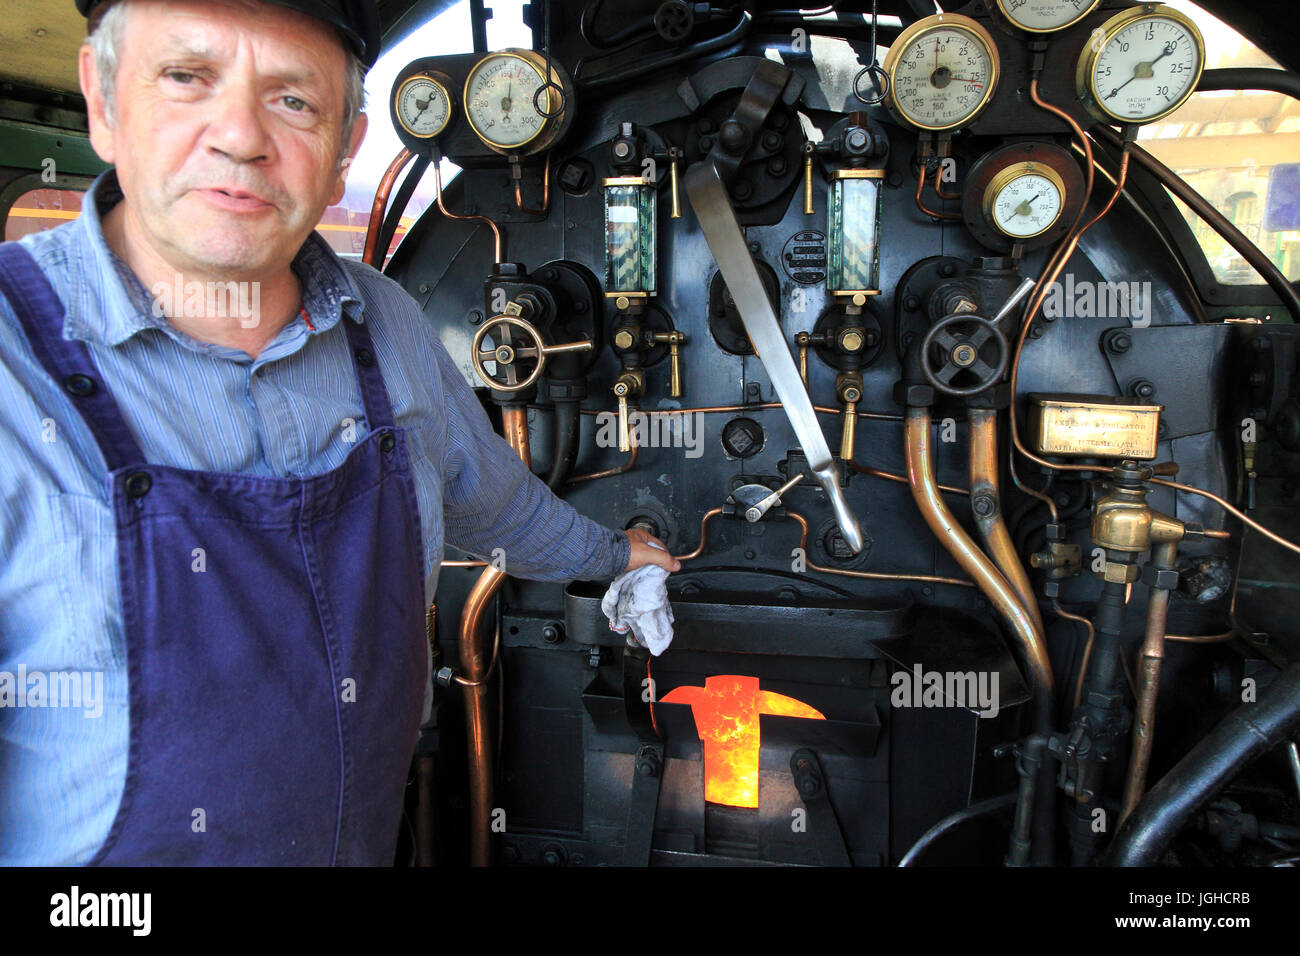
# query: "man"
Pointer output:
{"type": "Point", "coordinates": [220, 525]}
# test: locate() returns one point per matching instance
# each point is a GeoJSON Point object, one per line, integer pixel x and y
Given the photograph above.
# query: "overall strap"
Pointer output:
{"type": "Point", "coordinates": [68, 362]}
{"type": "Point", "coordinates": [379, 411]}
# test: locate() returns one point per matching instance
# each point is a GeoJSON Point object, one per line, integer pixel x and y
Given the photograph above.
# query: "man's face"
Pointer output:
{"type": "Point", "coordinates": [226, 131]}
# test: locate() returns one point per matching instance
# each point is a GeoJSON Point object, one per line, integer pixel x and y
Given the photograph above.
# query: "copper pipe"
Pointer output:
{"type": "Point", "coordinates": [474, 664]}
{"type": "Point", "coordinates": [920, 474]}
{"type": "Point", "coordinates": [514, 425]}
{"type": "Point", "coordinates": [1049, 276]}
{"type": "Point", "coordinates": [546, 193]}
{"type": "Point", "coordinates": [1220, 223]}
{"type": "Point", "coordinates": [476, 668]}
{"type": "Point", "coordinates": [872, 575]}
{"type": "Point", "coordinates": [704, 537]}
{"type": "Point", "coordinates": [922, 174]}
{"type": "Point", "coordinates": [626, 466]}
{"type": "Point", "coordinates": [878, 416]}
{"type": "Point", "coordinates": [1052, 269]}
{"type": "Point", "coordinates": [984, 483]}
{"type": "Point", "coordinates": [1239, 515]}
{"type": "Point", "coordinates": [1087, 646]}
{"type": "Point", "coordinates": [890, 476]}
{"type": "Point", "coordinates": [498, 245]}
{"type": "Point", "coordinates": [1164, 556]}
{"type": "Point", "coordinates": [463, 564]}
{"type": "Point", "coordinates": [1202, 638]}
{"type": "Point", "coordinates": [803, 545]}
{"type": "Point", "coordinates": [371, 255]}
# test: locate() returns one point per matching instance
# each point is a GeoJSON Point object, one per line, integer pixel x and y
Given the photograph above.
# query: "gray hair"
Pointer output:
{"type": "Point", "coordinates": [108, 24]}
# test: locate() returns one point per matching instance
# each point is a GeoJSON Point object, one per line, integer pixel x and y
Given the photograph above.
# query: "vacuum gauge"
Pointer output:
{"type": "Point", "coordinates": [1144, 63]}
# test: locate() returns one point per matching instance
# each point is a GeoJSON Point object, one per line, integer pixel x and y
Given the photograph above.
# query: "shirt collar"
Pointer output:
{"type": "Point", "coordinates": [116, 306]}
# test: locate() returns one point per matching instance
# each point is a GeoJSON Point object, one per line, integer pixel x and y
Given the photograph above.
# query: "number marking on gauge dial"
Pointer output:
{"type": "Point", "coordinates": [499, 94]}
{"type": "Point", "coordinates": [1045, 16]}
{"type": "Point", "coordinates": [942, 72]}
{"type": "Point", "coordinates": [423, 106]}
{"type": "Point", "coordinates": [1024, 200]}
{"type": "Point", "coordinates": [1144, 66]}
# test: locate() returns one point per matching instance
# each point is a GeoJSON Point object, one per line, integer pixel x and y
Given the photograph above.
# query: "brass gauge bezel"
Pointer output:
{"type": "Point", "coordinates": [1002, 9]}
{"type": "Point", "coordinates": [990, 174]}
{"type": "Point", "coordinates": [1085, 79]}
{"type": "Point", "coordinates": [549, 124]}
{"type": "Point", "coordinates": [1008, 175]}
{"type": "Point", "coordinates": [442, 82]}
{"type": "Point", "coordinates": [950, 21]}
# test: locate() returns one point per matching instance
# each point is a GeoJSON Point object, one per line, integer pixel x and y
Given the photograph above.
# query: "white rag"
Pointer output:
{"type": "Point", "coordinates": [638, 600]}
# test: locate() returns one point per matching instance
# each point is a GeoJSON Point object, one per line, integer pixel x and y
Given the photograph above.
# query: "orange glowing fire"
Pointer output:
{"type": "Point", "coordinates": [726, 711]}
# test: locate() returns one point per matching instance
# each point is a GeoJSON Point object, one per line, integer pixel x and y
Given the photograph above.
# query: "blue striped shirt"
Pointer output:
{"type": "Point", "coordinates": [294, 411]}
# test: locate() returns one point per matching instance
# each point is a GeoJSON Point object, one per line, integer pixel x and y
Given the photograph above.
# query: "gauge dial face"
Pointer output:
{"type": "Point", "coordinates": [1145, 68]}
{"type": "Point", "coordinates": [1025, 200]}
{"type": "Point", "coordinates": [942, 74]}
{"type": "Point", "coordinates": [1045, 16]}
{"type": "Point", "coordinates": [423, 106]}
{"type": "Point", "coordinates": [499, 97]}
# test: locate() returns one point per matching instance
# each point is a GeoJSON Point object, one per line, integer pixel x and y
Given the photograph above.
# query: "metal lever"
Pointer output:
{"type": "Point", "coordinates": [1022, 290]}
{"type": "Point", "coordinates": [673, 155]}
{"type": "Point", "coordinates": [628, 384]}
{"type": "Point", "coordinates": [674, 339]}
{"type": "Point", "coordinates": [851, 396]}
{"type": "Point", "coordinates": [727, 243]}
{"type": "Point", "coordinates": [756, 511]}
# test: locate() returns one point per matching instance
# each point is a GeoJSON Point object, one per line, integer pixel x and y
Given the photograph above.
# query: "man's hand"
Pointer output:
{"type": "Point", "coordinates": [647, 549]}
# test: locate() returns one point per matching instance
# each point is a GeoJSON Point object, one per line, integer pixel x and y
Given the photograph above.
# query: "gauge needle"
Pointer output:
{"type": "Point", "coordinates": [505, 100]}
{"type": "Point", "coordinates": [962, 79]}
{"type": "Point", "coordinates": [1144, 70]}
{"type": "Point", "coordinates": [1024, 208]}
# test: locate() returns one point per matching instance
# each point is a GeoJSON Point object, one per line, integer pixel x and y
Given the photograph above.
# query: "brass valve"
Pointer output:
{"type": "Point", "coordinates": [629, 385]}
{"type": "Point", "coordinates": [852, 340]}
{"type": "Point", "coordinates": [674, 340]}
{"type": "Point", "coordinates": [1123, 521]}
{"type": "Point", "coordinates": [803, 340]}
{"type": "Point", "coordinates": [507, 353]}
{"type": "Point", "coordinates": [848, 385]}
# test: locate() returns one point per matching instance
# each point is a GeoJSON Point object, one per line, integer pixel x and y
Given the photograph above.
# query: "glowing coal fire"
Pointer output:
{"type": "Point", "coordinates": [726, 711]}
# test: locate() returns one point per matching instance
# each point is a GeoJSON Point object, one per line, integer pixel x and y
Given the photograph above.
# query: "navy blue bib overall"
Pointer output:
{"type": "Point", "coordinates": [275, 698]}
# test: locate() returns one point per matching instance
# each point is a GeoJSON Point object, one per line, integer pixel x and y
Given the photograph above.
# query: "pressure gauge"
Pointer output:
{"type": "Point", "coordinates": [1045, 16]}
{"type": "Point", "coordinates": [1022, 196]}
{"type": "Point", "coordinates": [1024, 200]}
{"type": "Point", "coordinates": [509, 102]}
{"type": "Point", "coordinates": [942, 72]}
{"type": "Point", "coordinates": [1141, 66]}
{"type": "Point", "coordinates": [422, 104]}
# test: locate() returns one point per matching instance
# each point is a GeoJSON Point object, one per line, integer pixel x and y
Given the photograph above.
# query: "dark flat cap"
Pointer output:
{"type": "Point", "coordinates": [356, 20]}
